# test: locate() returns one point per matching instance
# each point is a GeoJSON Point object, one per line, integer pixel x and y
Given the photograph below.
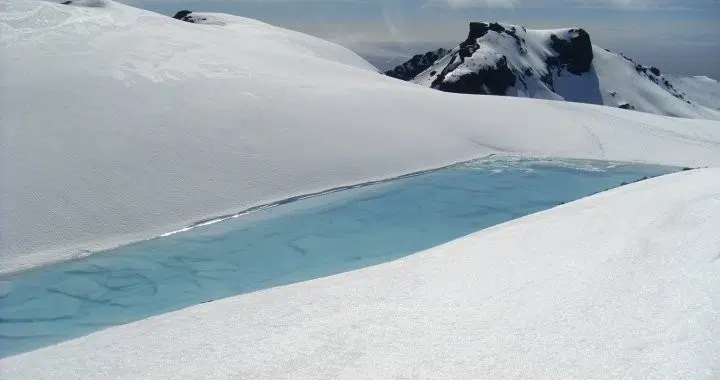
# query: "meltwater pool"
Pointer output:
{"type": "Point", "coordinates": [292, 242]}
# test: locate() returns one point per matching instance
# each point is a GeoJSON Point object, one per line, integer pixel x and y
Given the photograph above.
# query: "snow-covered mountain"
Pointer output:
{"type": "Point", "coordinates": [562, 64]}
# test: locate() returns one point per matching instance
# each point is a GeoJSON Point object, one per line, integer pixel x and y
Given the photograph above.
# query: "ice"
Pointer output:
{"type": "Point", "coordinates": [298, 241]}
{"type": "Point", "coordinates": [623, 284]}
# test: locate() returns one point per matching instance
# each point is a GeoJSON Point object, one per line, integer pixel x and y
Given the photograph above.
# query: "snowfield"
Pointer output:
{"type": "Point", "coordinates": [121, 124]}
{"type": "Point", "coordinates": [620, 285]}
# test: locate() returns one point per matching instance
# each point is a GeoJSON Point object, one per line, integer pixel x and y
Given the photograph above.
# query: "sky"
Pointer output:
{"type": "Point", "coordinates": [677, 36]}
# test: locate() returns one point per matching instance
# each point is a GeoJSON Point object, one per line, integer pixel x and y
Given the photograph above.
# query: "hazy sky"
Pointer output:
{"type": "Point", "coordinates": [679, 36]}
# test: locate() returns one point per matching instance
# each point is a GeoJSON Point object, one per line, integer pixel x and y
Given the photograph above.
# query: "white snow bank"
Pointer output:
{"type": "Point", "coordinates": [120, 124]}
{"type": "Point", "coordinates": [621, 285]}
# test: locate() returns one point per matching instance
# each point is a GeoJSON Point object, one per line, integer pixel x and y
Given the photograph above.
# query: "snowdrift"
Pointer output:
{"type": "Point", "coordinates": [620, 285]}
{"type": "Point", "coordinates": [120, 124]}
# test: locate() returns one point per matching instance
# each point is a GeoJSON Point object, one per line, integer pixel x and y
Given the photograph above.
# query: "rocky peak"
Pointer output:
{"type": "Point", "coordinates": [576, 53]}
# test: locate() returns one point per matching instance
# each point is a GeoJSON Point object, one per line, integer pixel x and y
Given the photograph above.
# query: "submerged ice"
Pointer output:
{"type": "Point", "coordinates": [294, 242]}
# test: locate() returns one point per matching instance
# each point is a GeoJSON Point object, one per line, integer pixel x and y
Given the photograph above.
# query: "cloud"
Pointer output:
{"type": "Point", "coordinates": [460, 4]}
{"type": "Point", "coordinates": [457, 4]}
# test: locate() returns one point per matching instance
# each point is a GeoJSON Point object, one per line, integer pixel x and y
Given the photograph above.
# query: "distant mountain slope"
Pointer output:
{"type": "Point", "coordinates": [417, 64]}
{"type": "Point", "coordinates": [561, 64]}
{"type": "Point", "coordinates": [699, 89]}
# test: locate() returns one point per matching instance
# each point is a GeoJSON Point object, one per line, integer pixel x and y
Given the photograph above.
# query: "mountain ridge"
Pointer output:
{"type": "Point", "coordinates": [557, 64]}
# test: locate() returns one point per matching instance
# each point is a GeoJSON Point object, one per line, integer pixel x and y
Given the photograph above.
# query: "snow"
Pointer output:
{"type": "Point", "coordinates": [699, 89]}
{"type": "Point", "coordinates": [616, 73]}
{"type": "Point", "coordinates": [121, 124]}
{"type": "Point", "coordinates": [623, 284]}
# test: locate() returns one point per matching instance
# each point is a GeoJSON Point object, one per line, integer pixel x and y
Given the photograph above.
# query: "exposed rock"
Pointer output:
{"type": "Point", "coordinates": [485, 81]}
{"type": "Point", "coordinates": [576, 53]}
{"type": "Point", "coordinates": [183, 15]}
{"type": "Point", "coordinates": [416, 64]}
{"type": "Point", "coordinates": [194, 18]}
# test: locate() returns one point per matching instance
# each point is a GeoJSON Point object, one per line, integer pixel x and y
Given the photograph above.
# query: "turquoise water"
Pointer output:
{"type": "Point", "coordinates": [292, 242]}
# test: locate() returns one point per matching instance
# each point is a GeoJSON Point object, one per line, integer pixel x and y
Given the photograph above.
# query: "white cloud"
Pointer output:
{"type": "Point", "coordinates": [459, 4]}
{"type": "Point", "coordinates": [479, 3]}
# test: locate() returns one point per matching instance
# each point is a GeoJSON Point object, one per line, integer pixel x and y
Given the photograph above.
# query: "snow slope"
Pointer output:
{"type": "Point", "coordinates": [621, 285]}
{"type": "Point", "coordinates": [121, 124]}
{"type": "Point", "coordinates": [699, 89]}
{"type": "Point", "coordinates": [562, 64]}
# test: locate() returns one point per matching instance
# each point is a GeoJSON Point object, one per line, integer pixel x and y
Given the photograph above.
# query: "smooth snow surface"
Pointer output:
{"type": "Point", "coordinates": [121, 124]}
{"type": "Point", "coordinates": [293, 242]}
{"type": "Point", "coordinates": [621, 285]}
{"type": "Point", "coordinates": [700, 89]}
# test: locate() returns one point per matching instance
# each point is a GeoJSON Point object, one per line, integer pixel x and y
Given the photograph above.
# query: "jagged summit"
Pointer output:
{"type": "Point", "coordinates": [501, 49]}
{"type": "Point", "coordinates": [559, 64]}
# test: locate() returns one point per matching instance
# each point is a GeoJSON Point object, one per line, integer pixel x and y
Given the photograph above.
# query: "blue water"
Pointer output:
{"type": "Point", "coordinates": [293, 242]}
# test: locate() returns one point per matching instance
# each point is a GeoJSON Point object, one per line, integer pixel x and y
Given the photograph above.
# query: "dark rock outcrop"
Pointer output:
{"type": "Point", "coordinates": [416, 64]}
{"type": "Point", "coordinates": [183, 15]}
{"type": "Point", "coordinates": [575, 54]}
{"type": "Point", "coordinates": [488, 80]}
{"type": "Point", "coordinates": [480, 29]}
{"type": "Point", "coordinates": [485, 81]}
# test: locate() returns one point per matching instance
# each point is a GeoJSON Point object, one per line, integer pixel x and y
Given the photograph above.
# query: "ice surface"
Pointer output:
{"type": "Point", "coordinates": [311, 238]}
{"type": "Point", "coordinates": [621, 285]}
